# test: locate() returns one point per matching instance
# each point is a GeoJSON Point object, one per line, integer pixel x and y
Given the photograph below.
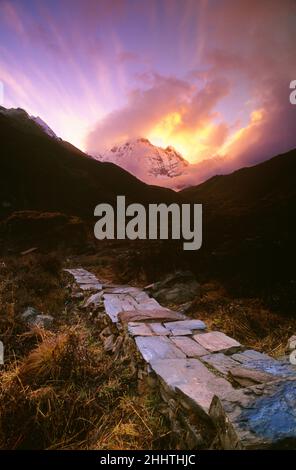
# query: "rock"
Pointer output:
{"type": "Point", "coordinates": [85, 279]}
{"type": "Point", "coordinates": [93, 300]}
{"type": "Point", "coordinates": [215, 341]}
{"type": "Point", "coordinates": [139, 329]}
{"type": "Point", "coordinates": [248, 377]}
{"type": "Point", "coordinates": [29, 314]}
{"type": "Point", "coordinates": [95, 286]}
{"type": "Point", "coordinates": [249, 355]}
{"type": "Point", "coordinates": [258, 417]}
{"type": "Point", "coordinates": [262, 362]}
{"type": "Point", "coordinates": [291, 344]}
{"type": "Point", "coordinates": [159, 329]}
{"type": "Point", "coordinates": [220, 362]}
{"type": "Point", "coordinates": [159, 315]}
{"type": "Point", "coordinates": [194, 383]}
{"type": "Point", "coordinates": [188, 346]}
{"type": "Point", "coordinates": [43, 321]}
{"type": "Point", "coordinates": [191, 325]}
{"type": "Point", "coordinates": [109, 343]}
{"type": "Point", "coordinates": [178, 288]}
{"type": "Point", "coordinates": [154, 348]}
{"type": "Point", "coordinates": [180, 332]}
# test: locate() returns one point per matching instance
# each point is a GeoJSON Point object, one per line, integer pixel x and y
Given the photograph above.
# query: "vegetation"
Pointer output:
{"type": "Point", "coordinates": [58, 388]}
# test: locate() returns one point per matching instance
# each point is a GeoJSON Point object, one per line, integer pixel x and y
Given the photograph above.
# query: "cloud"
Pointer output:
{"type": "Point", "coordinates": [168, 109]}
{"type": "Point", "coordinates": [144, 108]}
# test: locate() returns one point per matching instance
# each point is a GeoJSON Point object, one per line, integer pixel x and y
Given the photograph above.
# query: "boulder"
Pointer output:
{"type": "Point", "coordinates": [29, 314]}
{"type": "Point", "coordinates": [43, 321]}
{"type": "Point", "coordinates": [179, 288]}
{"type": "Point", "coordinates": [258, 417]}
{"type": "Point", "coordinates": [291, 344]}
{"type": "Point", "coordinates": [33, 317]}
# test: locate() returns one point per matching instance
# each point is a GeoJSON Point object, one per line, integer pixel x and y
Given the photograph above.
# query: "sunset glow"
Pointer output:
{"type": "Point", "coordinates": [184, 74]}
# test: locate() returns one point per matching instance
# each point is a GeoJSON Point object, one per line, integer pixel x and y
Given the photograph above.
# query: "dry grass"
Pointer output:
{"type": "Point", "coordinates": [59, 389]}
{"type": "Point", "coordinates": [67, 393]}
{"type": "Point", "coordinates": [247, 320]}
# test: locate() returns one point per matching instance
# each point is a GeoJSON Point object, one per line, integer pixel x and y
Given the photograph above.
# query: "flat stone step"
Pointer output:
{"type": "Point", "coordinates": [220, 362]}
{"type": "Point", "coordinates": [192, 381]}
{"type": "Point", "coordinates": [154, 348]}
{"type": "Point", "coordinates": [85, 279]}
{"type": "Point", "coordinates": [215, 341]}
{"type": "Point", "coordinates": [95, 286]}
{"type": "Point", "coordinates": [113, 306]}
{"type": "Point", "coordinates": [159, 329]}
{"type": "Point", "coordinates": [188, 346]}
{"type": "Point", "coordinates": [191, 325]}
{"type": "Point", "coordinates": [258, 417]}
{"type": "Point", "coordinates": [159, 315]}
{"type": "Point", "coordinates": [139, 329]}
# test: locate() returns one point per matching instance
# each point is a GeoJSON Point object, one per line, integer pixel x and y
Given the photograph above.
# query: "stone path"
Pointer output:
{"type": "Point", "coordinates": [249, 397]}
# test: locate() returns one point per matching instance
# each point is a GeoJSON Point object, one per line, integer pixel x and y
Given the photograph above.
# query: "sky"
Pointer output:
{"type": "Point", "coordinates": [209, 77]}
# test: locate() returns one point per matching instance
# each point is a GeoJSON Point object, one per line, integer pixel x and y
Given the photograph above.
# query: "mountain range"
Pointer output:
{"type": "Point", "coordinates": [146, 161]}
{"type": "Point", "coordinates": [248, 216]}
{"type": "Point", "coordinates": [41, 172]}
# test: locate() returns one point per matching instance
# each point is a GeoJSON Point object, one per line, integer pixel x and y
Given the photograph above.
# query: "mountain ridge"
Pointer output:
{"type": "Point", "coordinates": [146, 161]}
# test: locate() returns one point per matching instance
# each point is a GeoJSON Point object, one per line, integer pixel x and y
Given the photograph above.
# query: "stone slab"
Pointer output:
{"type": "Point", "coordinates": [158, 315]}
{"type": "Point", "coordinates": [159, 329]}
{"type": "Point", "coordinates": [94, 299]}
{"type": "Point", "coordinates": [248, 377]}
{"type": "Point", "coordinates": [188, 346]}
{"type": "Point", "coordinates": [139, 329]}
{"type": "Point", "coordinates": [113, 306]}
{"type": "Point", "coordinates": [95, 286]}
{"type": "Point", "coordinates": [180, 332]}
{"type": "Point", "coordinates": [258, 417]}
{"type": "Point", "coordinates": [220, 362]}
{"type": "Point", "coordinates": [154, 348]}
{"type": "Point", "coordinates": [192, 380]}
{"type": "Point", "coordinates": [215, 341]}
{"type": "Point", "coordinates": [262, 362]}
{"type": "Point", "coordinates": [186, 324]}
{"type": "Point", "coordinates": [250, 354]}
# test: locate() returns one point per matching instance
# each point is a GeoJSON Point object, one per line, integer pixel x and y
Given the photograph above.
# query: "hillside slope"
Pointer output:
{"type": "Point", "coordinates": [38, 172]}
{"type": "Point", "coordinates": [249, 228]}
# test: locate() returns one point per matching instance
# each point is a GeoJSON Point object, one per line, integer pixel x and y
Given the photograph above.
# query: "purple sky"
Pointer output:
{"type": "Point", "coordinates": [210, 77]}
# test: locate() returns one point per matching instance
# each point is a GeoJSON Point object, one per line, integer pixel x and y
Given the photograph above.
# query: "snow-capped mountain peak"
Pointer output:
{"type": "Point", "coordinates": [44, 126]}
{"type": "Point", "coordinates": [21, 118]}
{"type": "Point", "coordinates": [145, 160]}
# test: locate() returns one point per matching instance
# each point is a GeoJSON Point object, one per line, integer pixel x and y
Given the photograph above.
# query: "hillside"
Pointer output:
{"type": "Point", "coordinates": [249, 231]}
{"type": "Point", "coordinates": [38, 172]}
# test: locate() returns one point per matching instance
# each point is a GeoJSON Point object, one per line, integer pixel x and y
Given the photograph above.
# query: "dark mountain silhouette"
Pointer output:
{"type": "Point", "coordinates": [249, 228]}
{"type": "Point", "coordinates": [41, 173]}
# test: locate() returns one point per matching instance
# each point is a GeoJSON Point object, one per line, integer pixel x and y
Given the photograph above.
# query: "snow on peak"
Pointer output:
{"type": "Point", "coordinates": [145, 160]}
{"type": "Point", "coordinates": [44, 126]}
